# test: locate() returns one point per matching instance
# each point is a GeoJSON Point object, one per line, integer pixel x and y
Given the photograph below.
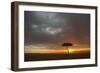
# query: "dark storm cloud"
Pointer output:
{"type": "Point", "coordinates": [56, 28]}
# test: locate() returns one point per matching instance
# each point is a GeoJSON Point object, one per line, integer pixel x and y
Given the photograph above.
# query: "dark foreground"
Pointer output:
{"type": "Point", "coordinates": [44, 57]}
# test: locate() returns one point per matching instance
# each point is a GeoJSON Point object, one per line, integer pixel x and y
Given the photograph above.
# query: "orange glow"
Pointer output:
{"type": "Point", "coordinates": [79, 50]}
{"type": "Point", "coordinates": [57, 51]}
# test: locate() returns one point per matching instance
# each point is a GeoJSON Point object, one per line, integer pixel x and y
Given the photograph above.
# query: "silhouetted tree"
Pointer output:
{"type": "Point", "coordinates": [67, 45]}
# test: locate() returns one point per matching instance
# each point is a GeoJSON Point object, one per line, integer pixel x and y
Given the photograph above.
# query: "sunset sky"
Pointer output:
{"type": "Point", "coordinates": [51, 29]}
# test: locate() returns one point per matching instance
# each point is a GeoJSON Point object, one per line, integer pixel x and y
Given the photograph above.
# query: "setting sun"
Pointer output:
{"type": "Point", "coordinates": [57, 51]}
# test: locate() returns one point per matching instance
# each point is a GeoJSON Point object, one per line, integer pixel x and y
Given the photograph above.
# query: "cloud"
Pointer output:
{"type": "Point", "coordinates": [52, 30]}
{"type": "Point", "coordinates": [56, 28]}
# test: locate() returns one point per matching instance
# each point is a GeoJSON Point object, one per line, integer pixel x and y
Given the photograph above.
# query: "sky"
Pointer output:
{"type": "Point", "coordinates": [52, 29]}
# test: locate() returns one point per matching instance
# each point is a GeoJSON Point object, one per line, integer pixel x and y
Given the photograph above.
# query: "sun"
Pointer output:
{"type": "Point", "coordinates": [66, 51]}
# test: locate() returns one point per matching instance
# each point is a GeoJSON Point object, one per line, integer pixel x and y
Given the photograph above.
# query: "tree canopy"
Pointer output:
{"type": "Point", "coordinates": [67, 44]}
